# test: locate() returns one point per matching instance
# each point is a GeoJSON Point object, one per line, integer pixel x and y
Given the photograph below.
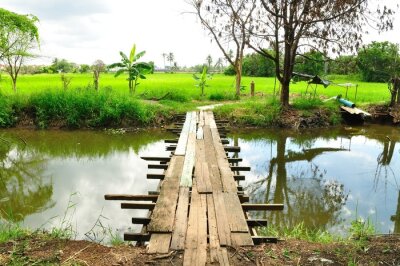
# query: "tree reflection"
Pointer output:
{"type": "Point", "coordinates": [23, 188]}
{"type": "Point", "coordinates": [396, 217]}
{"type": "Point", "coordinates": [307, 197]}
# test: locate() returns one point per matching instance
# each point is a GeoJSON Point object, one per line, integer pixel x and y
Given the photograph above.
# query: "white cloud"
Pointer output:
{"type": "Point", "coordinates": [86, 30]}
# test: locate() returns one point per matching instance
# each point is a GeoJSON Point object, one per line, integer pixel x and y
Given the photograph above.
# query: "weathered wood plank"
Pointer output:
{"type": "Point", "coordinates": [141, 220]}
{"type": "Point", "coordinates": [203, 178]}
{"type": "Point", "coordinates": [224, 233]}
{"type": "Point", "coordinates": [212, 229]}
{"type": "Point", "coordinates": [136, 237]}
{"type": "Point", "coordinates": [186, 178]}
{"type": "Point", "coordinates": [262, 207]}
{"type": "Point", "coordinates": [223, 257]}
{"type": "Point", "coordinates": [160, 159]}
{"type": "Point", "coordinates": [237, 221]}
{"type": "Point", "coordinates": [183, 138]}
{"type": "Point", "coordinates": [163, 216]}
{"type": "Point", "coordinates": [159, 243]}
{"type": "Point", "coordinates": [196, 237]}
{"type": "Point", "coordinates": [241, 239]}
{"type": "Point", "coordinates": [212, 160]}
{"type": "Point", "coordinates": [131, 197]}
{"type": "Point", "coordinates": [138, 205]}
{"type": "Point", "coordinates": [181, 219]}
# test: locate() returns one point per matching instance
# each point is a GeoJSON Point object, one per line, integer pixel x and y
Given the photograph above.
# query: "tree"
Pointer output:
{"type": "Point", "coordinates": [202, 80]}
{"type": "Point", "coordinates": [294, 27]}
{"type": "Point", "coordinates": [136, 70]}
{"type": "Point", "coordinates": [98, 67]}
{"type": "Point", "coordinates": [312, 62]}
{"type": "Point", "coordinates": [228, 23]}
{"type": "Point", "coordinates": [84, 68]}
{"type": "Point", "coordinates": [256, 65]}
{"type": "Point", "coordinates": [18, 35]}
{"type": "Point", "coordinates": [344, 65]}
{"type": "Point", "coordinates": [379, 61]}
{"type": "Point", "coordinates": [164, 55]}
{"type": "Point", "coordinates": [170, 59]}
{"type": "Point", "coordinates": [209, 61]}
{"type": "Point", "coordinates": [62, 66]}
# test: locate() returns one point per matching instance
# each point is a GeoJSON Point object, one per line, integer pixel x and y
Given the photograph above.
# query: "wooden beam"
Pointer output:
{"type": "Point", "coordinates": [224, 141]}
{"type": "Point", "coordinates": [159, 159]}
{"type": "Point", "coordinates": [234, 160]}
{"type": "Point", "coordinates": [240, 168]}
{"type": "Point", "coordinates": [137, 205]}
{"type": "Point", "coordinates": [243, 198]}
{"type": "Point", "coordinates": [239, 177]}
{"type": "Point", "coordinates": [257, 222]}
{"type": "Point", "coordinates": [155, 176]}
{"type": "Point", "coordinates": [171, 141]}
{"type": "Point", "coordinates": [264, 239]}
{"type": "Point", "coordinates": [157, 166]}
{"type": "Point", "coordinates": [171, 148]}
{"type": "Point", "coordinates": [262, 207]}
{"type": "Point", "coordinates": [232, 148]}
{"type": "Point", "coordinates": [154, 192]}
{"type": "Point", "coordinates": [136, 237]}
{"type": "Point", "coordinates": [141, 220]}
{"type": "Point", "coordinates": [131, 197]}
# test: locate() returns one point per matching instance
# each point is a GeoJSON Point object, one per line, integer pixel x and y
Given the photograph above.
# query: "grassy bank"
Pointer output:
{"type": "Point", "coordinates": [41, 101]}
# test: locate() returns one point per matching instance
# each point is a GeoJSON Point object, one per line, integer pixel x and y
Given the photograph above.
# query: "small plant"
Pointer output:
{"type": "Point", "coordinates": [202, 80]}
{"type": "Point", "coordinates": [136, 70]}
{"type": "Point", "coordinates": [65, 80]}
{"type": "Point", "coordinates": [361, 230]}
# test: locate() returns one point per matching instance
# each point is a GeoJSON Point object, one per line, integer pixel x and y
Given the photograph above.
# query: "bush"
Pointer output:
{"type": "Point", "coordinates": [6, 111]}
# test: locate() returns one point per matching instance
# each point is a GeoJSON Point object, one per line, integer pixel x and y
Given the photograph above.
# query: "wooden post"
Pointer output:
{"type": "Point", "coordinates": [252, 85]}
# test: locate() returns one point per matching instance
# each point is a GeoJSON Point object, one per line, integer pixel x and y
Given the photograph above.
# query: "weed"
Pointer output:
{"type": "Point", "coordinates": [360, 229]}
{"type": "Point", "coordinates": [10, 231]}
{"type": "Point", "coordinates": [65, 230]}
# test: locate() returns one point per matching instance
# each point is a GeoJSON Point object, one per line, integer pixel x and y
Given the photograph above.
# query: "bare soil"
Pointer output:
{"type": "Point", "coordinates": [39, 250]}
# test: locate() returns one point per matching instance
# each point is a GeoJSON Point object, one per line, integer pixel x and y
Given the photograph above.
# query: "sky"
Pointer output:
{"type": "Point", "coordinates": [86, 30]}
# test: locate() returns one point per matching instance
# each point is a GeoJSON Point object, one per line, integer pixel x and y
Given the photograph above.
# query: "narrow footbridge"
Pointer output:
{"type": "Point", "coordinates": [199, 208]}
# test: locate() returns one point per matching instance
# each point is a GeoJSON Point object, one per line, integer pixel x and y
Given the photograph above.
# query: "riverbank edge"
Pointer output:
{"type": "Point", "coordinates": [289, 118]}
{"type": "Point", "coordinates": [41, 249]}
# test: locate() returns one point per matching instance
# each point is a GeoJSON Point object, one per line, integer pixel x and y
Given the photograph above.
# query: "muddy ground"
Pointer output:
{"type": "Point", "coordinates": [39, 250]}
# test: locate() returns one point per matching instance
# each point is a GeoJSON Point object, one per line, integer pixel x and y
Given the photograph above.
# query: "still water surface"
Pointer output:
{"type": "Point", "coordinates": [324, 177]}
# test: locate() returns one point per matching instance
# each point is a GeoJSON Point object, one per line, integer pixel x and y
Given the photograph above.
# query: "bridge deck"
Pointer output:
{"type": "Point", "coordinates": [198, 209]}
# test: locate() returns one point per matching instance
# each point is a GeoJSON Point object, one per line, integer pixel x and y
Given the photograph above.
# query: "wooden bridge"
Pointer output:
{"type": "Point", "coordinates": [200, 208]}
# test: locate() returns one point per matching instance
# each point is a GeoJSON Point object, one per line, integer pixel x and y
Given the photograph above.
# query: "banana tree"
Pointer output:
{"type": "Point", "coordinates": [135, 70]}
{"type": "Point", "coordinates": [202, 80]}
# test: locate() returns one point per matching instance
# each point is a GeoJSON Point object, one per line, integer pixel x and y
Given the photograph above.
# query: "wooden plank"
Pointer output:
{"type": "Point", "coordinates": [131, 197]}
{"type": "Point", "coordinates": [262, 207]}
{"type": "Point", "coordinates": [181, 217]}
{"type": "Point", "coordinates": [202, 176]}
{"type": "Point", "coordinates": [196, 237]}
{"type": "Point", "coordinates": [159, 243]}
{"type": "Point", "coordinates": [212, 229]}
{"type": "Point", "coordinates": [183, 138]}
{"type": "Point", "coordinates": [232, 148]}
{"type": "Point", "coordinates": [136, 237]}
{"type": "Point", "coordinates": [155, 176]}
{"type": "Point", "coordinates": [157, 166]}
{"type": "Point", "coordinates": [211, 120]}
{"type": "Point", "coordinates": [187, 173]}
{"type": "Point", "coordinates": [160, 159]}
{"type": "Point", "coordinates": [257, 222]}
{"type": "Point", "coordinates": [212, 160]}
{"type": "Point", "coordinates": [236, 219]}
{"type": "Point", "coordinates": [264, 239]}
{"type": "Point", "coordinates": [199, 134]}
{"type": "Point", "coordinates": [223, 257]}
{"type": "Point", "coordinates": [138, 205]}
{"type": "Point", "coordinates": [241, 239]}
{"type": "Point", "coordinates": [354, 111]}
{"type": "Point", "coordinates": [222, 219]}
{"type": "Point", "coordinates": [163, 216]}
{"type": "Point", "coordinates": [240, 168]}
{"type": "Point", "coordinates": [141, 220]}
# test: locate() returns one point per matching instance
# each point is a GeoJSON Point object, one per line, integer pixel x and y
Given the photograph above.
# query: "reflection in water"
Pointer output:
{"type": "Point", "coordinates": [24, 189]}
{"type": "Point", "coordinates": [325, 178]}
{"type": "Point", "coordinates": [39, 178]}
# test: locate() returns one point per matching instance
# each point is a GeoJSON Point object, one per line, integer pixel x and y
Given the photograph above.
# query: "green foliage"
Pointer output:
{"type": "Point", "coordinates": [305, 103]}
{"type": "Point", "coordinates": [378, 61]}
{"type": "Point", "coordinates": [61, 66]}
{"type": "Point", "coordinates": [229, 71]}
{"type": "Point", "coordinates": [77, 108]}
{"type": "Point", "coordinates": [361, 230]}
{"type": "Point", "coordinates": [10, 231]}
{"type": "Point", "coordinates": [202, 80]}
{"type": "Point", "coordinates": [84, 68]}
{"type": "Point", "coordinates": [15, 24]}
{"type": "Point", "coordinates": [311, 63]}
{"type": "Point", "coordinates": [256, 65]}
{"type": "Point", "coordinates": [299, 231]}
{"type": "Point", "coordinates": [344, 65]}
{"type": "Point", "coordinates": [255, 113]}
{"type": "Point", "coordinates": [136, 70]}
{"type": "Point", "coordinates": [6, 111]}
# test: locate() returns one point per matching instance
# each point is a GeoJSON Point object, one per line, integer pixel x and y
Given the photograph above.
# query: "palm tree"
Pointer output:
{"type": "Point", "coordinates": [170, 59]}
{"type": "Point", "coordinates": [209, 61]}
{"type": "Point", "coordinates": [164, 55]}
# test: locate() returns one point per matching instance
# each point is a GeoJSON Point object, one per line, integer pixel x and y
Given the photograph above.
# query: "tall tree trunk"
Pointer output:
{"type": "Point", "coordinates": [285, 92]}
{"type": "Point", "coordinates": [14, 84]}
{"type": "Point", "coordinates": [238, 83]}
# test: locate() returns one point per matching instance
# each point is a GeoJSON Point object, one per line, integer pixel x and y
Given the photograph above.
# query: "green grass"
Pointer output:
{"type": "Point", "coordinates": [181, 86]}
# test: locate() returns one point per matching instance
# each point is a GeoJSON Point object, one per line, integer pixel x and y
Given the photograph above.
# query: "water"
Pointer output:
{"type": "Point", "coordinates": [325, 178]}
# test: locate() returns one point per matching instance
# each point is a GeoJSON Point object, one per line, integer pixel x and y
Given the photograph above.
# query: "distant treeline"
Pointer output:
{"type": "Point", "coordinates": [376, 62]}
